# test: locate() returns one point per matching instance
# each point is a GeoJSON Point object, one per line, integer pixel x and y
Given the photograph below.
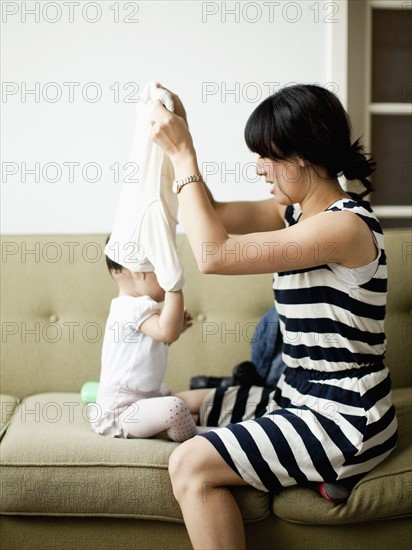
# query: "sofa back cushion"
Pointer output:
{"type": "Point", "coordinates": [398, 321]}
{"type": "Point", "coordinates": [56, 294]}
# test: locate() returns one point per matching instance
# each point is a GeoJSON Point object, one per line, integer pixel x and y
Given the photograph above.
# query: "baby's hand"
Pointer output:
{"type": "Point", "coordinates": [187, 320]}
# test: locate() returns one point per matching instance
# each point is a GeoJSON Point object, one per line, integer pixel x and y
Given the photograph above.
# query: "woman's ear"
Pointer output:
{"type": "Point", "coordinates": [301, 162]}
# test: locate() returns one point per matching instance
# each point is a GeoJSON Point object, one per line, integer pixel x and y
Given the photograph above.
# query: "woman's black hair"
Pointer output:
{"type": "Point", "coordinates": [112, 266]}
{"type": "Point", "coordinates": [309, 122]}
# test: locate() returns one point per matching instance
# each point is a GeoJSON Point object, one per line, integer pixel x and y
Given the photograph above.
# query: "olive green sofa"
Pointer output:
{"type": "Point", "coordinates": [65, 487]}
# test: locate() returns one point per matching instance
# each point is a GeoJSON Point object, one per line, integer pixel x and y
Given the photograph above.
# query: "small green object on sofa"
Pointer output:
{"type": "Point", "coordinates": [88, 392]}
{"type": "Point", "coordinates": [64, 486]}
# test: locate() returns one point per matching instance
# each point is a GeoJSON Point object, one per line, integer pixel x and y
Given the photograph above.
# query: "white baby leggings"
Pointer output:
{"type": "Point", "coordinates": [148, 417]}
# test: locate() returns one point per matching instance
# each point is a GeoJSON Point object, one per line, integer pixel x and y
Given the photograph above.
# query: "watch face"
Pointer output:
{"type": "Point", "coordinates": [174, 187]}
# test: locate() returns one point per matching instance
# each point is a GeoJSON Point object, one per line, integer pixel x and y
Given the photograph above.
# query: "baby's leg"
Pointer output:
{"type": "Point", "coordinates": [148, 417]}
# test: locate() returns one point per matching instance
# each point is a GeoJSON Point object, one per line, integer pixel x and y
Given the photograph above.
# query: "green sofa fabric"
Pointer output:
{"type": "Point", "coordinates": [63, 486]}
{"type": "Point", "coordinates": [53, 463]}
{"type": "Point", "coordinates": [8, 404]}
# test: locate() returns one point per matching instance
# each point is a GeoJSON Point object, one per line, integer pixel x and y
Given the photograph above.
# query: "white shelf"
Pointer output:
{"type": "Point", "coordinates": [397, 212]}
{"type": "Point", "coordinates": [388, 4]}
{"type": "Point", "coordinates": [390, 108]}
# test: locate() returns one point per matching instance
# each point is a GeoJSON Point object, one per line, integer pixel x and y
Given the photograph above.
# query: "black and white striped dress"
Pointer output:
{"type": "Point", "coordinates": [330, 416]}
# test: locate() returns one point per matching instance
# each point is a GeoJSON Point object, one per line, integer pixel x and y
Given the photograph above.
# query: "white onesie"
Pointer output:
{"type": "Point", "coordinates": [130, 358]}
{"type": "Point", "coordinates": [133, 364]}
{"type": "Point", "coordinates": [144, 229]}
{"type": "Point", "coordinates": [132, 401]}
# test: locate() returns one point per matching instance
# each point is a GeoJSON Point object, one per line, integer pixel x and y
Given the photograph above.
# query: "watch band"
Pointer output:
{"type": "Point", "coordinates": [178, 184]}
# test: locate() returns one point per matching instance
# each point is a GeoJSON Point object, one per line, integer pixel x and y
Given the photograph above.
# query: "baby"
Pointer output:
{"type": "Point", "coordinates": [132, 400]}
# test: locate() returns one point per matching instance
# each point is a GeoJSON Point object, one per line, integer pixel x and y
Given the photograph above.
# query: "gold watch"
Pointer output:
{"type": "Point", "coordinates": [178, 184]}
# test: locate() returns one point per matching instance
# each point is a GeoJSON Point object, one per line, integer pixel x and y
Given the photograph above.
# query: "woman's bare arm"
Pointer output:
{"type": "Point", "coordinates": [240, 217]}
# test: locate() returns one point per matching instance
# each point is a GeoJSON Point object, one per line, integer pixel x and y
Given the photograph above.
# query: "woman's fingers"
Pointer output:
{"type": "Point", "coordinates": [159, 112]}
{"type": "Point", "coordinates": [160, 117]}
{"type": "Point", "coordinates": [178, 105]}
{"type": "Point", "coordinates": [169, 131]}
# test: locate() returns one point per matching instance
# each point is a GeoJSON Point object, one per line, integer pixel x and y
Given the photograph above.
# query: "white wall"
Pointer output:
{"type": "Point", "coordinates": [197, 49]}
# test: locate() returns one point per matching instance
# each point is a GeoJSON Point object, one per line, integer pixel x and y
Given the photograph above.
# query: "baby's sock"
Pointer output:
{"type": "Point", "coordinates": [180, 425]}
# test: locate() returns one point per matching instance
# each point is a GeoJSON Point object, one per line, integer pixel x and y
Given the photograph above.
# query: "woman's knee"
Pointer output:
{"type": "Point", "coordinates": [186, 467]}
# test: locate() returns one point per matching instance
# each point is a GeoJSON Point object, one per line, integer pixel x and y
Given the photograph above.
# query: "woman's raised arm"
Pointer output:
{"type": "Point", "coordinates": [205, 219]}
{"type": "Point", "coordinates": [240, 217]}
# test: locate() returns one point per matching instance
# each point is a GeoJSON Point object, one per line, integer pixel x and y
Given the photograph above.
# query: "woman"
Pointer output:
{"type": "Point", "coordinates": [330, 417]}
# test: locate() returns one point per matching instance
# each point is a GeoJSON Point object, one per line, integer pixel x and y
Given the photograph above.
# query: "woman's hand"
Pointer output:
{"type": "Point", "coordinates": [178, 105]}
{"type": "Point", "coordinates": [170, 133]}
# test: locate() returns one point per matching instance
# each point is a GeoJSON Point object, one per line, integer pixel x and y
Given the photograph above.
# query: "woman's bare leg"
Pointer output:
{"type": "Point", "coordinates": [200, 478]}
{"type": "Point", "coordinates": [193, 398]}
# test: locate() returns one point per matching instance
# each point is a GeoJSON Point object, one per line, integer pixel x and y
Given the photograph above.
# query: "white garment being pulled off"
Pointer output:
{"type": "Point", "coordinates": [144, 230]}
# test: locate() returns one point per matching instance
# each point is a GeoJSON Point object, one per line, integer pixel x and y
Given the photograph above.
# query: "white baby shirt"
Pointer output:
{"type": "Point", "coordinates": [144, 230]}
{"type": "Point", "coordinates": [131, 359]}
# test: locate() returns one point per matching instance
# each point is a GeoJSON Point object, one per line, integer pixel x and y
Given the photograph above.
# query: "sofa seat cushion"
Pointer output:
{"type": "Point", "coordinates": [383, 493]}
{"type": "Point", "coordinates": [53, 463]}
{"type": "Point", "coordinates": [8, 404]}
